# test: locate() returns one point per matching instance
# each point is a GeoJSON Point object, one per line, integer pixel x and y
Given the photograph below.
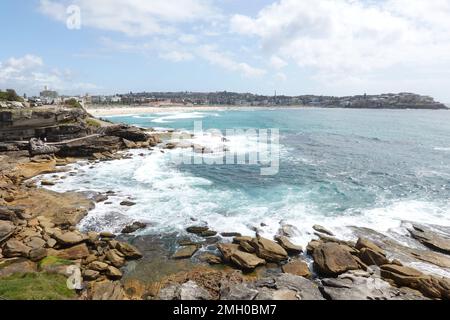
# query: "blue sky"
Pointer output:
{"type": "Point", "coordinates": [331, 47]}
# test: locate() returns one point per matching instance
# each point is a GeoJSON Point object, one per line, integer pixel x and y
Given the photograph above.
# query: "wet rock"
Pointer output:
{"type": "Point", "coordinates": [197, 229]}
{"type": "Point", "coordinates": [323, 230]}
{"type": "Point", "coordinates": [107, 235]}
{"type": "Point", "coordinates": [185, 252]}
{"type": "Point", "coordinates": [313, 245]}
{"type": "Point", "coordinates": [230, 234]}
{"type": "Point", "coordinates": [127, 203]}
{"type": "Point", "coordinates": [431, 239]}
{"type": "Point", "coordinates": [288, 230]}
{"type": "Point", "coordinates": [135, 226]}
{"type": "Point", "coordinates": [227, 250]}
{"type": "Point", "coordinates": [298, 268]}
{"type": "Point", "coordinates": [100, 198]}
{"type": "Point", "coordinates": [47, 183]}
{"type": "Point", "coordinates": [269, 250]}
{"type": "Point", "coordinates": [332, 259]}
{"type": "Point", "coordinates": [366, 243]}
{"type": "Point", "coordinates": [210, 258]}
{"type": "Point", "coordinates": [36, 242]}
{"type": "Point", "coordinates": [98, 266]}
{"type": "Point", "coordinates": [208, 233]}
{"type": "Point", "coordinates": [288, 245]}
{"type": "Point", "coordinates": [14, 248]}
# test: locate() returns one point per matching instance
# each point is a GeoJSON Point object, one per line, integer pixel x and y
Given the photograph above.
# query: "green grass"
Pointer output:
{"type": "Point", "coordinates": [93, 123]}
{"type": "Point", "coordinates": [54, 261]}
{"type": "Point", "coordinates": [35, 286]}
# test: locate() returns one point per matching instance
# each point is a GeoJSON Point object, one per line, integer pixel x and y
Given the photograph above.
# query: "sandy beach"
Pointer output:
{"type": "Point", "coordinates": [99, 111]}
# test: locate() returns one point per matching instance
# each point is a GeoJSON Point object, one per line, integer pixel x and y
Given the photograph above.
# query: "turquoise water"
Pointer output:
{"type": "Point", "coordinates": [338, 168]}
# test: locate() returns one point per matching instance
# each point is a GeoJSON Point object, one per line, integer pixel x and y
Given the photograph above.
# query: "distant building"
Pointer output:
{"type": "Point", "coordinates": [48, 96]}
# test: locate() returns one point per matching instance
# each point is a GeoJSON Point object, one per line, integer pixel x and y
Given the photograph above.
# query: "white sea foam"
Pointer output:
{"type": "Point", "coordinates": [172, 117]}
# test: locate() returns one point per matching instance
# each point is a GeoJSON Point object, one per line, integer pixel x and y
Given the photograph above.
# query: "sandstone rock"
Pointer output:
{"type": "Point", "coordinates": [69, 238]}
{"type": "Point", "coordinates": [135, 226]}
{"type": "Point", "coordinates": [331, 259]}
{"type": "Point", "coordinates": [38, 254]}
{"type": "Point", "coordinates": [38, 147]}
{"type": "Point", "coordinates": [240, 291]}
{"type": "Point", "coordinates": [13, 248]}
{"type": "Point", "coordinates": [79, 251]}
{"type": "Point", "coordinates": [363, 286]}
{"type": "Point", "coordinates": [98, 266]}
{"type": "Point", "coordinates": [313, 245]}
{"type": "Point", "coordinates": [366, 243]}
{"type": "Point", "coordinates": [429, 286]}
{"type": "Point", "coordinates": [288, 245]}
{"type": "Point", "coordinates": [129, 251]}
{"type": "Point", "coordinates": [247, 246]}
{"type": "Point", "coordinates": [90, 275]}
{"type": "Point", "coordinates": [191, 291]}
{"type": "Point", "coordinates": [210, 258]}
{"type": "Point", "coordinates": [47, 183]}
{"type": "Point", "coordinates": [245, 260]}
{"type": "Point", "coordinates": [17, 265]}
{"type": "Point", "coordinates": [106, 290]}
{"type": "Point", "coordinates": [127, 203]}
{"type": "Point", "coordinates": [208, 233]}
{"type": "Point", "coordinates": [36, 242]}
{"type": "Point", "coordinates": [298, 268]}
{"type": "Point", "coordinates": [227, 250]}
{"type": "Point", "coordinates": [323, 230]}
{"type": "Point", "coordinates": [431, 239]}
{"type": "Point", "coordinates": [107, 234]}
{"type": "Point", "coordinates": [370, 257]}
{"type": "Point", "coordinates": [116, 258]}
{"type": "Point", "coordinates": [185, 252]}
{"type": "Point", "coordinates": [288, 230]}
{"type": "Point", "coordinates": [113, 273]}
{"type": "Point", "coordinates": [269, 250]}
{"type": "Point", "coordinates": [7, 229]}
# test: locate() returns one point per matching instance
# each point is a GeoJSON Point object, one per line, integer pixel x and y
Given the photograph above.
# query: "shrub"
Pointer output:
{"type": "Point", "coordinates": [10, 95]}
{"type": "Point", "coordinates": [73, 103]}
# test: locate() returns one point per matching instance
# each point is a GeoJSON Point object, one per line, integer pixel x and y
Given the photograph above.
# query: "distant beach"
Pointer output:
{"type": "Point", "coordinates": [108, 110]}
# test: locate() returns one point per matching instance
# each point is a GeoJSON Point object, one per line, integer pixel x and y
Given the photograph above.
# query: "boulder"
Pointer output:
{"type": "Point", "coordinates": [361, 285]}
{"type": "Point", "coordinates": [14, 248]}
{"type": "Point", "coordinates": [208, 233]}
{"type": "Point", "coordinates": [185, 252]}
{"type": "Point", "coordinates": [7, 229]}
{"type": "Point", "coordinates": [246, 261]}
{"type": "Point", "coordinates": [429, 286]}
{"type": "Point", "coordinates": [113, 273]}
{"type": "Point", "coordinates": [135, 226]}
{"type": "Point", "coordinates": [17, 265]}
{"type": "Point", "coordinates": [288, 245]}
{"type": "Point", "coordinates": [240, 291]}
{"type": "Point", "coordinates": [197, 229]}
{"type": "Point", "coordinates": [297, 268]}
{"type": "Point", "coordinates": [127, 203]}
{"type": "Point", "coordinates": [210, 258]}
{"type": "Point", "coordinates": [366, 243]}
{"type": "Point", "coordinates": [269, 250]}
{"type": "Point", "coordinates": [98, 266]}
{"type": "Point", "coordinates": [227, 250]}
{"type": "Point", "coordinates": [36, 242]}
{"type": "Point", "coordinates": [38, 147]}
{"type": "Point", "coordinates": [128, 250]}
{"type": "Point", "coordinates": [230, 234]}
{"type": "Point", "coordinates": [192, 291]}
{"type": "Point", "coordinates": [69, 238]}
{"type": "Point", "coordinates": [90, 275]}
{"type": "Point", "coordinates": [431, 239]}
{"type": "Point", "coordinates": [37, 254]}
{"type": "Point", "coordinates": [323, 230]}
{"type": "Point", "coordinates": [116, 258]}
{"type": "Point", "coordinates": [332, 259]}
{"type": "Point", "coordinates": [79, 251]}
{"type": "Point", "coordinates": [288, 230]}
{"type": "Point", "coordinates": [370, 257]}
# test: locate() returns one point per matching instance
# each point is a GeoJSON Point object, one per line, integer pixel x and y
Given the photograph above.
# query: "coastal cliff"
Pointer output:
{"type": "Point", "coordinates": [41, 247]}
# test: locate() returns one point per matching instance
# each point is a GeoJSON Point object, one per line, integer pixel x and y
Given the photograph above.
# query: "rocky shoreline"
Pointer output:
{"type": "Point", "coordinates": [40, 246]}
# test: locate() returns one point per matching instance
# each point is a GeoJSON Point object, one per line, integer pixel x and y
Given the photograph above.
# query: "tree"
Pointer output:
{"type": "Point", "coordinates": [10, 95]}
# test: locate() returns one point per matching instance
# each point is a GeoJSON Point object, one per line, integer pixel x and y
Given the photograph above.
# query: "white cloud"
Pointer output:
{"type": "Point", "coordinates": [353, 37]}
{"type": "Point", "coordinates": [218, 58]}
{"type": "Point", "coordinates": [277, 62]}
{"type": "Point", "coordinates": [133, 17]}
{"type": "Point", "coordinates": [29, 73]}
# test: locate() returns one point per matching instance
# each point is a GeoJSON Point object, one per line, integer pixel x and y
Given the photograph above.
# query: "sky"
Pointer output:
{"type": "Point", "coordinates": [294, 47]}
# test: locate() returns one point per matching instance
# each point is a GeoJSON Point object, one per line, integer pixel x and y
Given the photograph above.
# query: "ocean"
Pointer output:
{"type": "Point", "coordinates": [380, 169]}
